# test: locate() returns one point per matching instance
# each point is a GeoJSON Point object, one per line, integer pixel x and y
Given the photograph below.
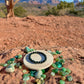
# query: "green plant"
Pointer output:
{"type": "Point", "coordinates": [2, 14]}
{"type": "Point", "coordinates": [20, 11]}
{"type": "Point", "coordinates": [62, 9]}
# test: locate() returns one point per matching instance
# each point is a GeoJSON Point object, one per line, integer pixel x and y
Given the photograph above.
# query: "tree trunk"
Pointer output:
{"type": "Point", "coordinates": [10, 6]}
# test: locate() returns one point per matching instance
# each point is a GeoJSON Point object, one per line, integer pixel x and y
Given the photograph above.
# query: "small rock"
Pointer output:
{"type": "Point", "coordinates": [10, 68]}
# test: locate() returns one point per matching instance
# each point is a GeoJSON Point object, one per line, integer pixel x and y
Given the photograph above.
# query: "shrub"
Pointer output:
{"type": "Point", "coordinates": [52, 11]}
{"type": "Point", "coordinates": [20, 11]}
{"type": "Point", "coordinates": [2, 14]}
{"type": "Point", "coordinates": [62, 9]}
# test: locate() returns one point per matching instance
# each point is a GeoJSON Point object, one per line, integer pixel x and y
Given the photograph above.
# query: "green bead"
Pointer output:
{"type": "Point", "coordinates": [32, 74]}
{"type": "Point", "coordinates": [62, 73]}
{"type": "Point", "coordinates": [49, 51]}
{"type": "Point", "coordinates": [62, 61]}
{"type": "Point", "coordinates": [20, 67]}
{"type": "Point", "coordinates": [18, 64]}
{"type": "Point", "coordinates": [26, 75]}
{"type": "Point", "coordinates": [64, 69]}
{"type": "Point", "coordinates": [58, 52]}
{"type": "Point", "coordinates": [5, 65]}
{"type": "Point", "coordinates": [72, 59]}
{"type": "Point", "coordinates": [66, 73]}
{"type": "Point", "coordinates": [55, 70]}
{"type": "Point", "coordinates": [52, 74]}
{"type": "Point", "coordinates": [24, 71]}
{"type": "Point", "coordinates": [43, 76]}
{"type": "Point", "coordinates": [53, 53]}
{"type": "Point", "coordinates": [16, 57]}
{"type": "Point", "coordinates": [63, 78]}
{"type": "Point", "coordinates": [58, 59]}
{"type": "Point", "coordinates": [58, 64]}
{"type": "Point", "coordinates": [68, 70]}
{"type": "Point", "coordinates": [12, 59]}
{"type": "Point", "coordinates": [27, 49]}
{"type": "Point", "coordinates": [19, 56]}
{"type": "Point", "coordinates": [14, 64]}
{"type": "Point", "coordinates": [61, 56]}
{"type": "Point", "coordinates": [9, 62]}
{"type": "Point", "coordinates": [69, 78]}
{"type": "Point", "coordinates": [61, 82]}
{"type": "Point", "coordinates": [26, 78]}
{"type": "Point", "coordinates": [54, 65]}
{"type": "Point", "coordinates": [31, 50]}
{"type": "Point", "coordinates": [43, 71]}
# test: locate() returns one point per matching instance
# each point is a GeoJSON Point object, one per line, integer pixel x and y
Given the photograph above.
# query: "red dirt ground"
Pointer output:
{"type": "Point", "coordinates": [64, 33]}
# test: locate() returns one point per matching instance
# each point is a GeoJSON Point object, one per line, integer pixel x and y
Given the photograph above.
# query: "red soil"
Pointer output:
{"type": "Point", "coordinates": [64, 33]}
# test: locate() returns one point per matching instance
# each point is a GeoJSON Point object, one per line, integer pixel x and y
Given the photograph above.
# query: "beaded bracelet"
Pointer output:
{"type": "Point", "coordinates": [37, 62]}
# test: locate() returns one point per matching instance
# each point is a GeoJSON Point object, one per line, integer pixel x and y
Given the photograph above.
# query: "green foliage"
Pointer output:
{"type": "Point", "coordinates": [2, 14]}
{"type": "Point", "coordinates": [4, 10]}
{"type": "Point", "coordinates": [64, 5]}
{"type": "Point", "coordinates": [80, 4]}
{"type": "Point", "coordinates": [52, 11]}
{"type": "Point", "coordinates": [63, 8]}
{"type": "Point", "coordinates": [78, 12]}
{"type": "Point", "coordinates": [20, 11]}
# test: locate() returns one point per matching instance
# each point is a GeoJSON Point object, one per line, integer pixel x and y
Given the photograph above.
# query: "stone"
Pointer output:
{"type": "Point", "coordinates": [61, 56]}
{"type": "Point", "coordinates": [43, 76]}
{"type": "Point", "coordinates": [49, 51]}
{"type": "Point", "coordinates": [52, 74]}
{"type": "Point", "coordinates": [63, 78]}
{"type": "Point", "coordinates": [26, 78]}
{"type": "Point", "coordinates": [16, 57]}
{"type": "Point", "coordinates": [32, 73]}
{"type": "Point", "coordinates": [26, 75]}
{"type": "Point", "coordinates": [54, 65]}
{"type": "Point", "coordinates": [43, 71]}
{"type": "Point", "coordinates": [58, 59]}
{"type": "Point", "coordinates": [61, 82]}
{"type": "Point", "coordinates": [63, 69]}
{"type": "Point", "coordinates": [9, 62]}
{"type": "Point", "coordinates": [68, 70]}
{"type": "Point", "coordinates": [58, 52]}
{"type": "Point", "coordinates": [62, 73]}
{"type": "Point", "coordinates": [12, 59]}
{"type": "Point", "coordinates": [69, 78]}
{"type": "Point", "coordinates": [27, 49]}
{"type": "Point", "coordinates": [20, 67]}
{"type": "Point", "coordinates": [24, 71]}
{"type": "Point", "coordinates": [31, 50]}
{"type": "Point", "coordinates": [55, 70]}
{"type": "Point", "coordinates": [10, 68]}
{"type": "Point", "coordinates": [62, 61]}
{"type": "Point", "coordinates": [58, 64]}
{"type": "Point", "coordinates": [18, 64]}
{"type": "Point", "coordinates": [19, 56]}
{"type": "Point", "coordinates": [5, 65]}
{"type": "Point", "coordinates": [38, 74]}
{"type": "Point", "coordinates": [53, 53]}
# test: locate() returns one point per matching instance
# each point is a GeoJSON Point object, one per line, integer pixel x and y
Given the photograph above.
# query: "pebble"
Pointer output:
{"type": "Point", "coordinates": [10, 68]}
{"type": "Point", "coordinates": [38, 74]}
{"type": "Point", "coordinates": [52, 74]}
{"type": "Point", "coordinates": [61, 82]}
{"type": "Point", "coordinates": [69, 78]}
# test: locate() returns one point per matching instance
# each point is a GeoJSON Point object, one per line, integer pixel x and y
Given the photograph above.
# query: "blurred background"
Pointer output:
{"type": "Point", "coordinates": [45, 7]}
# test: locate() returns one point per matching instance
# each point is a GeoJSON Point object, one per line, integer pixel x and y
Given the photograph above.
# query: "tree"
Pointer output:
{"type": "Point", "coordinates": [10, 5]}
